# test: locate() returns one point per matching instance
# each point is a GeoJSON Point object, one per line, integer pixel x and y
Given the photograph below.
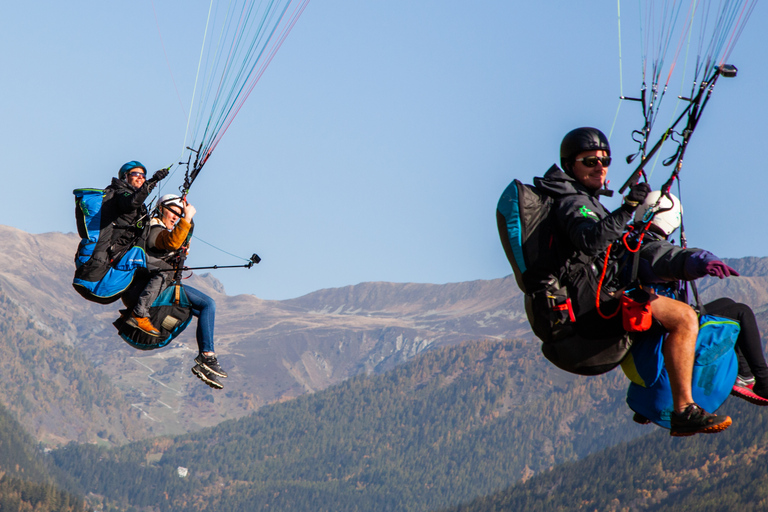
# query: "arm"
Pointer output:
{"type": "Point", "coordinates": [668, 262]}
{"type": "Point", "coordinates": [588, 225]}
{"type": "Point", "coordinates": [128, 201]}
{"type": "Point", "coordinates": [172, 240]}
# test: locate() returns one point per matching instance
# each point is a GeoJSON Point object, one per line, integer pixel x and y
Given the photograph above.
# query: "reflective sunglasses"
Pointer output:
{"type": "Point", "coordinates": [137, 174]}
{"type": "Point", "coordinates": [591, 161]}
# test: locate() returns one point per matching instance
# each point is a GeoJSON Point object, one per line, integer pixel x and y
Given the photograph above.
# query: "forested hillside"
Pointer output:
{"type": "Point", "coordinates": [53, 389]}
{"type": "Point", "coordinates": [25, 482]}
{"type": "Point", "coordinates": [455, 423]}
{"type": "Point", "coordinates": [723, 472]}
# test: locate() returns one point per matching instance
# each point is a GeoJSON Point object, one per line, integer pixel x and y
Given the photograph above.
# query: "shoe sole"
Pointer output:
{"type": "Point", "coordinates": [748, 395]}
{"type": "Point", "coordinates": [714, 429]}
{"type": "Point", "coordinates": [203, 377]}
{"type": "Point", "coordinates": [218, 374]}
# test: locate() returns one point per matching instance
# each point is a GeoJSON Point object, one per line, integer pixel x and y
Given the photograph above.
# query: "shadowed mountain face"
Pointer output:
{"type": "Point", "coordinates": [273, 350]}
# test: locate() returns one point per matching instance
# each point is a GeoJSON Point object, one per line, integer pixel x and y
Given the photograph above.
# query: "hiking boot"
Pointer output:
{"type": "Point", "coordinates": [695, 420]}
{"type": "Point", "coordinates": [640, 419]}
{"type": "Point", "coordinates": [745, 389]}
{"type": "Point", "coordinates": [143, 324]}
{"type": "Point", "coordinates": [211, 364]}
{"type": "Point", "coordinates": [209, 378]}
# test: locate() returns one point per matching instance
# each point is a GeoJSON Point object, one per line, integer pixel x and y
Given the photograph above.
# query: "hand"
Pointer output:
{"type": "Point", "coordinates": [159, 175]}
{"type": "Point", "coordinates": [189, 211]}
{"type": "Point", "coordinates": [637, 195]}
{"type": "Point", "coordinates": [720, 269]}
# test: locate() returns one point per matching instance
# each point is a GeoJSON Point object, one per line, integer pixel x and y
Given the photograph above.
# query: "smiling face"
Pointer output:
{"type": "Point", "coordinates": [591, 177]}
{"type": "Point", "coordinates": [135, 177]}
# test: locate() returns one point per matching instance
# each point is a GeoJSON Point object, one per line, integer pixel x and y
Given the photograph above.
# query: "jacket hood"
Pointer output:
{"type": "Point", "coordinates": [556, 183]}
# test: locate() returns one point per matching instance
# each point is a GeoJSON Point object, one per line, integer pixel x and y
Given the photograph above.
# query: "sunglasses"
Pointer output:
{"type": "Point", "coordinates": [591, 161]}
{"type": "Point", "coordinates": [137, 174]}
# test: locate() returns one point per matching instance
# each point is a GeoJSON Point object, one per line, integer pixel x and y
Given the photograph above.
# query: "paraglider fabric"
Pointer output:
{"type": "Point", "coordinates": [714, 371]}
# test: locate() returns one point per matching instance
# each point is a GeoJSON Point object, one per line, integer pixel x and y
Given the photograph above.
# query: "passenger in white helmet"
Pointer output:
{"type": "Point", "coordinates": [663, 265]}
{"type": "Point", "coordinates": [169, 229]}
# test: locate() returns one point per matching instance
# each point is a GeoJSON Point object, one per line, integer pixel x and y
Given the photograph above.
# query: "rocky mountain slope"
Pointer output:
{"type": "Point", "coordinates": [273, 350]}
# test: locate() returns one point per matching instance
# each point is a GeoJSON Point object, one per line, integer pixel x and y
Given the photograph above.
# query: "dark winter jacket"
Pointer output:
{"type": "Point", "coordinates": [123, 216]}
{"type": "Point", "coordinates": [584, 225]}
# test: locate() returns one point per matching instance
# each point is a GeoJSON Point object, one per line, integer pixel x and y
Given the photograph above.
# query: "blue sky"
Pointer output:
{"type": "Point", "coordinates": [378, 141]}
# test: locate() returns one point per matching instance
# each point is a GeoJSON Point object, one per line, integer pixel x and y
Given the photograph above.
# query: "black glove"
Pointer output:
{"type": "Point", "coordinates": [636, 196]}
{"type": "Point", "coordinates": [159, 175]}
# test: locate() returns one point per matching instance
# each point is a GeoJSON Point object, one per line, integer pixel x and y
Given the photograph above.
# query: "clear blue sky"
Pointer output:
{"type": "Point", "coordinates": [377, 143]}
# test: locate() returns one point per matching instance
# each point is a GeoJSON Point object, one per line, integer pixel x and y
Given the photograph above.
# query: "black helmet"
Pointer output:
{"type": "Point", "coordinates": [580, 140]}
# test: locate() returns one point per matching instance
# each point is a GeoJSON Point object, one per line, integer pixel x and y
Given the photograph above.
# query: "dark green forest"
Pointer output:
{"type": "Point", "coordinates": [452, 425]}
{"type": "Point", "coordinates": [26, 483]}
{"type": "Point", "coordinates": [707, 473]}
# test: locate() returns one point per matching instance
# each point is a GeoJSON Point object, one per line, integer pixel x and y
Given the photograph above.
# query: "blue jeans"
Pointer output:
{"type": "Point", "coordinates": [204, 308]}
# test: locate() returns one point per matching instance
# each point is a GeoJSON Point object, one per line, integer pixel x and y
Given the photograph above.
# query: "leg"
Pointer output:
{"type": "Point", "coordinates": [679, 350]}
{"type": "Point", "coordinates": [680, 321]}
{"type": "Point", "coordinates": [148, 295]}
{"type": "Point", "coordinates": [140, 317]}
{"type": "Point", "coordinates": [749, 346]}
{"type": "Point", "coordinates": [204, 308]}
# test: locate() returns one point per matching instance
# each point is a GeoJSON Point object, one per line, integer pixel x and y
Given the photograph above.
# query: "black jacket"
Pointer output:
{"type": "Point", "coordinates": [123, 217]}
{"type": "Point", "coordinates": [583, 224]}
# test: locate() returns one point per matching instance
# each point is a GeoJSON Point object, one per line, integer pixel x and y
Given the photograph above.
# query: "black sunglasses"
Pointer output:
{"type": "Point", "coordinates": [591, 161]}
{"type": "Point", "coordinates": [137, 174]}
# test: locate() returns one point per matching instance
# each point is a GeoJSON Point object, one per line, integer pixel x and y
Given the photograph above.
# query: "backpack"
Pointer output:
{"type": "Point", "coordinates": [527, 232]}
{"type": "Point", "coordinates": [714, 370]}
{"type": "Point", "coordinates": [101, 276]}
{"type": "Point", "coordinates": [556, 290]}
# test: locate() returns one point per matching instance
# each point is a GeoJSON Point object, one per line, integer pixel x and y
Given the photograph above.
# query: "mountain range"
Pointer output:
{"type": "Point", "coordinates": [273, 350]}
{"type": "Point", "coordinates": [69, 377]}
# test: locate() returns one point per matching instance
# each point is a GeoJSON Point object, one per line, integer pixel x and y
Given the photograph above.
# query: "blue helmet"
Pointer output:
{"type": "Point", "coordinates": [133, 164]}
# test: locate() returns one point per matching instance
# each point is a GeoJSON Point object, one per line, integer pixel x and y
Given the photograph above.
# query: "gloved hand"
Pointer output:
{"type": "Point", "coordinates": [159, 175]}
{"type": "Point", "coordinates": [636, 196]}
{"type": "Point", "coordinates": [720, 269]}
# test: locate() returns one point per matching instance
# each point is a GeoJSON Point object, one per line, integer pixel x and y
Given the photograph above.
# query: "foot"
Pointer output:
{"type": "Point", "coordinates": [209, 378]}
{"type": "Point", "coordinates": [143, 324]}
{"type": "Point", "coordinates": [746, 390]}
{"type": "Point", "coordinates": [640, 419]}
{"type": "Point", "coordinates": [695, 420]}
{"type": "Point", "coordinates": [211, 364]}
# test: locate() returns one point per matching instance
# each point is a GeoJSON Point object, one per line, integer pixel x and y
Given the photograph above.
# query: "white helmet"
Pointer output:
{"type": "Point", "coordinates": [170, 200]}
{"type": "Point", "coordinates": [667, 215]}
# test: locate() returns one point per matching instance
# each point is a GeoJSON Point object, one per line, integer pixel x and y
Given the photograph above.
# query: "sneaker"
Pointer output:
{"type": "Point", "coordinates": [143, 324]}
{"type": "Point", "coordinates": [211, 364]}
{"type": "Point", "coordinates": [745, 389]}
{"type": "Point", "coordinates": [207, 377]}
{"type": "Point", "coordinates": [695, 420]}
{"type": "Point", "coordinates": [640, 419]}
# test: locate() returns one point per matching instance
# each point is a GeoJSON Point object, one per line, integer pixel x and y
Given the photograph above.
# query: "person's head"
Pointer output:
{"type": "Point", "coordinates": [667, 214]}
{"type": "Point", "coordinates": [170, 209]}
{"type": "Point", "coordinates": [133, 173]}
{"type": "Point", "coordinates": [585, 155]}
